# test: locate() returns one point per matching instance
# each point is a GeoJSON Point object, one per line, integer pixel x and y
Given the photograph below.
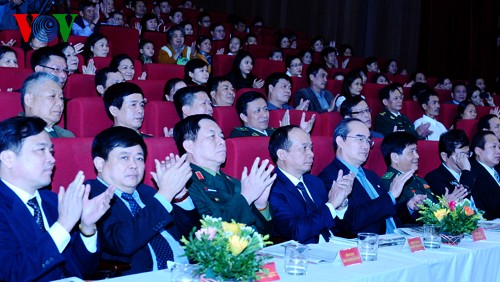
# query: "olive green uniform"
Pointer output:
{"type": "Point", "coordinates": [219, 195]}
{"type": "Point", "coordinates": [385, 122]}
{"type": "Point", "coordinates": [415, 185]}
{"type": "Point", "coordinates": [244, 131]}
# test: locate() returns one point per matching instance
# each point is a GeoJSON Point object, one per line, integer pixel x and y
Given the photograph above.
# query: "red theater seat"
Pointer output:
{"type": "Point", "coordinates": [86, 116]}
{"type": "Point", "coordinates": [80, 85]}
{"type": "Point", "coordinates": [152, 89]}
{"type": "Point", "coordinates": [158, 148]}
{"type": "Point", "coordinates": [469, 126]}
{"type": "Point", "coordinates": [275, 116]}
{"type": "Point", "coordinates": [164, 71]}
{"type": "Point", "coordinates": [375, 161]}
{"type": "Point", "coordinates": [159, 40]}
{"type": "Point", "coordinates": [11, 104]}
{"type": "Point", "coordinates": [116, 34]}
{"type": "Point", "coordinates": [159, 114]}
{"type": "Point", "coordinates": [240, 92]}
{"type": "Point", "coordinates": [72, 155]}
{"type": "Point", "coordinates": [19, 56]}
{"type": "Point", "coordinates": [264, 67]}
{"type": "Point", "coordinates": [6, 35]}
{"type": "Point", "coordinates": [447, 114]}
{"type": "Point", "coordinates": [227, 119]}
{"type": "Point", "coordinates": [412, 110]}
{"type": "Point", "coordinates": [323, 153]}
{"type": "Point", "coordinates": [325, 124]}
{"type": "Point", "coordinates": [242, 152]}
{"type": "Point", "coordinates": [222, 64]}
{"type": "Point", "coordinates": [429, 156]}
{"type": "Point", "coordinates": [260, 51]}
{"type": "Point", "coordinates": [334, 86]}
{"type": "Point", "coordinates": [13, 78]}
{"type": "Point", "coordinates": [371, 90]}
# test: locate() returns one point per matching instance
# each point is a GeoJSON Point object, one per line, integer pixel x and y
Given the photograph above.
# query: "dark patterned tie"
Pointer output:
{"type": "Point", "coordinates": [312, 206]}
{"type": "Point", "coordinates": [159, 244]}
{"type": "Point", "coordinates": [37, 214]}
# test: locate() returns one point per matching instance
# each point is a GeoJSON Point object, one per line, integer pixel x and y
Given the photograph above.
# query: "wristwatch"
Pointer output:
{"type": "Point", "coordinates": [344, 204]}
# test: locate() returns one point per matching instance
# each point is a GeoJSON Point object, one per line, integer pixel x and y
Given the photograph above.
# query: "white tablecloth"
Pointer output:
{"type": "Point", "coordinates": [469, 261]}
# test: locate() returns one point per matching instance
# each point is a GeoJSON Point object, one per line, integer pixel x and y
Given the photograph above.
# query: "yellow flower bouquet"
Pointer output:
{"type": "Point", "coordinates": [225, 249]}
{"type": "Point", "coordinates": [454, 218]}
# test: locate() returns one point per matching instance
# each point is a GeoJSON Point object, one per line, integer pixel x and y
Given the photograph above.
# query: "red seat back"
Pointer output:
{"type": "Point", "coordinates": [326, 123]}
{"type": "Point", "coordinates": [429, 156]}
{"type": "Point", "coordinates": [264, 67]}
{"type": "Point", "coordinates": [13, 78]}
{"type": "Point", "coordinates": [20, 57]}
{"type": "Point", "coordinates": [323, 153]}
{"type": "Point", "coordinates": [72, 155]}
{"type": "Point", "coordinates": [158, 148]}
{"type": "Point", "coordinates": [11, 104]}
{"type": "Point", "coordinates": [159, 40]}
{"type": "Point", "coordinates": [227, 119]}
{"type": "Point", "coordinates": [86, 116]}
{"type": "Point", "coordinates": [375, 161]}
{"type": "Point", "coordinates": [275, 116]}
{"type": "Point", "coordinates": [80, 85]}
{"type": "Point", "coordinates": [157, 115]}
{"type": "Point", "coordinates": [6, 35]}
{"type": "Point", "coordinates": [412, 110]}
{"type": "Point", "coordinates": [242, 152]}
{"type": "Point", "coordinates": [116, 35]}
{"type": "Point", "coordinates": [260, 51]}
{"type": "Point", "coordinates": [164, 71]}
{"type": "Point", "coordinates": [447, 114]}
{"type": "Point", "coordinates": [152, 89]}
{"type": "Point", "coordinates": [222, 64]}
{"type": "Point", "coordinates": [469, 126]}
{"type": "Point", "coordinates": [334, 86]}
{"type": "Point", "coordinates": [371, 90]}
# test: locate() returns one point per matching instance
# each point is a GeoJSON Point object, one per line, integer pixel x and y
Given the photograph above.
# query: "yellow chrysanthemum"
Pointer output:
{"type": "Point", "coordinates": [234, 228]}
{"type": "Point", "coordinates": [237, 244]}
{"type": "Point", "coordinates": [441, 213]}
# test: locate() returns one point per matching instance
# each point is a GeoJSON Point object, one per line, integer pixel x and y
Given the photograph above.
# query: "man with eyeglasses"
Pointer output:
{"type": "Point", "coordinates": [48, 59]}
{"type": "Point", "coordinates": [371, 207]}
{"type": "Point", "coordinates": [454, 172]}
{"type": "Point", "coordinates": [278, 87]}
{"type": "Point", "coordinates": [42, 96]}
{"type": "Point", "coordinates": [125, 103]}
{"type": "Point", "coordinates": [391, 119]}
{"type": "Point", "coordinates": [356, 107]}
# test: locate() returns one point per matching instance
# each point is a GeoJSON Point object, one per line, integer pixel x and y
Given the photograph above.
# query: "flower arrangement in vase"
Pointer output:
{"type": "Point", "coordinates": [226, 250]}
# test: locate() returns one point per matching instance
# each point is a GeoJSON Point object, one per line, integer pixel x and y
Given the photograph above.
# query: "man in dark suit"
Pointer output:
{"type": "Point", "coordinates": [371, 207]}
{"type": "Point", "coordinates": [215, 193]}
{"type": "Point", "coordinates": [144, 225]}
{"type": "Point", "coordinates": [454, 173]}
{"type": "Point", "coordinates": [320, 99]}
{"type": "Point", "coordinates": [38, 238]}
{"type": "Point", "coordinates": [302, 208]}
{"type": "Point", "coordinates": [486, 189]}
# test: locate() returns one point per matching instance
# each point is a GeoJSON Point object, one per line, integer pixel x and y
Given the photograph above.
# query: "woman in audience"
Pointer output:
{"type": "Point", "coordinates": [276, 55]}
{"type": "Point", "coordinates": [293, 66]}
{"type": "Point", "coordinates": [479, 82]}
{"type": "Point", "coordinates": [347, 52]}
{"type": "Point", "coordinates": [176, 16]}
{"type": "Point", "coordinates": [149, 23]}
{"type": "Point", "coordinates": [72, 59]}
{"type": "Point", "coordinates": [371, 64]}
{"type": "Point", "coordinates": [444, 83]}
{"type": "Point", "coordinates": [283, 42]}
{"type": "Point", "coordinates": [351, 86]}
{"type": "Point", "coordinates": [317, 43]}
{"type": "Point", "coordinates": [465, 110]}
{"type": "Point", "coordinates": [188, 27]}
{"type": "Point", "coordinates": [380, 78]}
{"type": "Point", "coordinates": [196, 72]}
{"type": "Point", "coordinates": [204, 47]}
{"type": "Point", "coordinates": [234, 46]}
{"type": "Point", "coordinates": [477, 97]}
{"type": "Point", "coordinates": [125, 65]}
{"type": "Point", "coordinates": [175, 52]}
{"type": "Point", "coordinates": [306, 57]}
{"type": "Point", "coordinates": [251, 39]}
{"type": "Point", "coordinates": [96, 45]}
{"type": "Point", "coordinates": [361, 72]}
{"type": "Point", "coordinates": [241, 75]}
{"type": "Point", "coordinates": [146, 51]}
{"type": "Point", "coordinates": [171, 88]}
{"type": "Point", "coordinates": [391, 67]}
{"type": "Point", "coordinates": [8, 58]}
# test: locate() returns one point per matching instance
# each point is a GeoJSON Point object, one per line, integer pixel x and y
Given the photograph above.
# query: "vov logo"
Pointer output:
{"type": "Point", "coordinates": [44, 27]}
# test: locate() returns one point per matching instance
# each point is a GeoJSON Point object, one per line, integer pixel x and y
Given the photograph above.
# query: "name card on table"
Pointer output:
{"type": "Point", "coordinates": [350, 256]}
{"type": "Point", "coordinates": [416, 244]}
{"type": "Point", "coordinates": [478, 234]}
{"type": "Point", "coordinates": [269, 273]}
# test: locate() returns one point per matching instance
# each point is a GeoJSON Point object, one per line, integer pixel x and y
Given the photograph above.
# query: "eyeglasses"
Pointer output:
{"type": "Point", "coordinates": [366, 111]}
{"type": "Point", "coordinates": [68, 72]}
{"type": "Point", "coordinates": [363, 139]}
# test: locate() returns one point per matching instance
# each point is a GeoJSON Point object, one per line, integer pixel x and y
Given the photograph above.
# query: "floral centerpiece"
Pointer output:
{"type": "Point", "coordinates": [452, 218]}
{"type": "Point", "coordinates": [226, 249]}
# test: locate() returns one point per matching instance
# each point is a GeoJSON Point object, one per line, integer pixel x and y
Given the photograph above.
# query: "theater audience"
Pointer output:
{"type": "Point", "coordinates": [86, 21]}
{"type": "Point", "coordinates": [96, 45]}
{"type": "Point", "coordinates": [106, 77]}
{"type": "Point", "coordinates": [234, 46]}
{"type": "Point", "coordinates": [125, 65]}
{"type": "Point", "coordinates": [196, 72]}
{"type": "Point", "coordinates": [352, 85]}
{"type": "Point", "coordinates": [356, 107]}
{"type": "Point", "coordinates": [146, 51]}
{"type": "Point", "coordinates": [192, 100]}
{"type": "Point", "coordinates": [171, 87]}
{"type": "Point", "coordinates": [8, 57]}
{"type": "Point", "coordinates": [241, 74]}
{"type": "Point", "coordinates": [320, 99]}
{"type": "Point", "coordinates": [50, 60]}
{"type": "Point", "coordinates": [429, 103]}
{"type": "Point", "coordinates": [175, 52]}
{"type": "Point", "coordinates": [293, 66]}
{"type": "Point", "coordinates": [217, 31]}
{"type": "Point", "coordinates": [278, 88]}
{"type": "Point", "coordinates": [222, 91]}
{"type": "Point", "coordinates": [73, 61]}
{"type": "Point", "coordinates": [489, 122]}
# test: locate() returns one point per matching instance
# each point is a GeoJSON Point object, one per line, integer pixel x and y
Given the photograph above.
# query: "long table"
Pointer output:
{"type": "Point", "coordinates": [469, 261]}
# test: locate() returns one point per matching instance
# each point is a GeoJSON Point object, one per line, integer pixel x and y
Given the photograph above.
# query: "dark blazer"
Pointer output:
{"type": "Point", "coordinates": [363, 213]}
{"type": "Point", "coordinates": [292, 219]}
{"type": "Point", "coordinates": [29, 254]}
{"type": "Point", "coordinates": [308, 94]}
{"type": "Point", "coordinates": [485, 192]}
{"type": "Point", "coordinates": [125, 238]}
{"type": "Point", "coordinates": [441, 178]}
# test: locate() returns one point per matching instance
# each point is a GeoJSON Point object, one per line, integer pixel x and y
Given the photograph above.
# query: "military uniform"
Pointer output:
{"type": "Point", "coordinates": [414, 185]}
{"type": "Point", "coordinates": [219, 195]}
{"type": "Point", "coordinates": [59, 132]}
{"type": "Point", "coordinates": [385, 122]}
{"type": "Point", "coordinates": [245, 131]}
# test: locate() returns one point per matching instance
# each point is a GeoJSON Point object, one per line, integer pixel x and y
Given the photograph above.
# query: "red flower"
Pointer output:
{"type": "Point", "coordinates": [452, 205]}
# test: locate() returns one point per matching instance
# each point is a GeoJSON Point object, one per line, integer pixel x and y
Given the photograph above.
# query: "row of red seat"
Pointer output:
{"type": "Point", "coordinates": [74, 154]}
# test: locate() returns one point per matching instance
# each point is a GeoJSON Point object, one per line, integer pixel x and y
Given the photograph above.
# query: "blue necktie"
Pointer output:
{"type": "Point", "coordinates": [37, 214]}
{"type": "Point", "coordinates": [312, 206]}
{"type": "Point", "coordinates": [497, 177]}
{"type": "Point", "coordinates": [159, 244]}
{"type": "Point", "coordinates": [389, 222]}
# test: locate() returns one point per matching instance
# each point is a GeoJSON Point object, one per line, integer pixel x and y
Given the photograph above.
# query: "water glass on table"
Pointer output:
{"type": "Point", "coordinates": [296, 259]}
{"type": "Point", "coordinates": [368, 246]}
{"type": "Point", "coordinates": [432, 239]}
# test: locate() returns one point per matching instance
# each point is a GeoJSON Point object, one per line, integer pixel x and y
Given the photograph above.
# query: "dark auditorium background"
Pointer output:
{"type": "Point", "coordinates": [452, 37]}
